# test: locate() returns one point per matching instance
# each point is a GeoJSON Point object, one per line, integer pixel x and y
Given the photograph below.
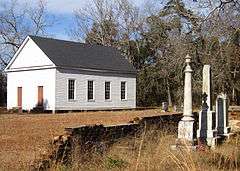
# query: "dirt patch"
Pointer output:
{"type": "Point", "coordinates": [24, 137]}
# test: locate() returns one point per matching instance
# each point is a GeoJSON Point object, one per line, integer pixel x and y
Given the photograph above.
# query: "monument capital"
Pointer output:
{"type": "Point", "coordinates": [188, 61]}
{"type": "Point", "coordinates": [188, 58]}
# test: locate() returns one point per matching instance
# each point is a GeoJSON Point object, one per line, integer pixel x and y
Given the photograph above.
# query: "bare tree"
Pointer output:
{"type": "Point", "coordinates": [111, 23]}
{"type": "Point", "coordinates": [221, 21]}
{"type": "Point", "coordinates": [19, 20]}
{"type": "Point", "coordinates": [216, 7]}
{"type": "Point", "coordinates": [99, 15]}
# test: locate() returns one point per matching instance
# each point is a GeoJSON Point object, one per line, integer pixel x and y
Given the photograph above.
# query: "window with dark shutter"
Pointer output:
{"type": "Point", "coordinates": [71, 89]}
{"type": "Point", "coordinates": [123, 90]}
{"type": "Point", "coordinates": [107, 90]}
{"type": "Point", "coordinates": [90, 90]}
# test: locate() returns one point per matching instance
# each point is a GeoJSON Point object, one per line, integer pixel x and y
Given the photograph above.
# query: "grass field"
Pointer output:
{"type": "Point", "coordinates": [151, 151]}
{"type": "Point", "coordinates": [24, 137]}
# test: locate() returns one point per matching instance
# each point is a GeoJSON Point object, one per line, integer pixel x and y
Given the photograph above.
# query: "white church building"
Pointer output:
{"type": "Point", "coordinates": [64, 75]}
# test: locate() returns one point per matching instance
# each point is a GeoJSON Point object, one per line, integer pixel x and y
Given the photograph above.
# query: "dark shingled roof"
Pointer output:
{"type": "Point", "coordinates": [80, 55]}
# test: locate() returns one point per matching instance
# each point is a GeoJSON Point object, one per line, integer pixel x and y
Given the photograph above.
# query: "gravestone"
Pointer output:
{"type": "Point", "coordinates": [164, 106]}
{"type": "Point", "coordinates": [222, 124]}
{"type": "Point", "coordinates": [207, 132]}
{"type": "Point", "coordinates": [207, 85]}
{"type": "Point", "coordinates": [202, 132]}
{"type": "Point", "coordinates": [185, 126]}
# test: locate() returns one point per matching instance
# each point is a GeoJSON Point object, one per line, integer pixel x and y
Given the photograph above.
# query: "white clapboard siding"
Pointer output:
{"type": "Point", "coordinates": [81, 102]}
{"type": "Point", "coordinates": [31, 67]}
{"type": "Point", "coordinates": [29, 81]}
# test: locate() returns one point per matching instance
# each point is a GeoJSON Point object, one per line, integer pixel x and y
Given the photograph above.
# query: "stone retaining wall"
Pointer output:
{"type": "Point", "coordinates": [83, 141]}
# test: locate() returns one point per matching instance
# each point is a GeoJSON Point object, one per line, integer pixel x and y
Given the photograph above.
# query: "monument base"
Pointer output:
{"type": "Point", "coordinates": [227, 136]}
{"type": "Point", "coordinates": [185, 131]}
{"type": "Point", "coordinates": [185, 135]}
{"type": "Point", "coordinates": [225, 130]}
{"type": "Point", "coordinates": [212, 141]}
{"type": "Point", "coordinates": [224, 133]}
{"type": "Point", "coordinates": [183, 147]}
{"type": "Point", "coordinates": [207, 137]}
{"type": "Point", "coordinates": [182, 144]}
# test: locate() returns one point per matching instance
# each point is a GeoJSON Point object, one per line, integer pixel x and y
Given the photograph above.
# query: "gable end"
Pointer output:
{"type": "Point", "coordinates": [29, 56]}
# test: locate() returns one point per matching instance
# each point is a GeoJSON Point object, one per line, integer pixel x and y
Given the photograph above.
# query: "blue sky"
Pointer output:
{"type": "Point", "coordinates": [63, 10]}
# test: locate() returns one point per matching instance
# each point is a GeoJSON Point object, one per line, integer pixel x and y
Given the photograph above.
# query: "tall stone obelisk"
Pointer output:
{"type": "Point", "coordinates": [185, 126]}
{"type": "Point", "coordinates": [207, 85]}
{"type": "Point", "coordinates": [206, 132]}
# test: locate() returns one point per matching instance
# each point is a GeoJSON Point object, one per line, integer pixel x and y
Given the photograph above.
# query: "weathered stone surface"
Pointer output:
{"type": "Point", "coordinates": [185, 126]}
{"type": "Point", "coordinates": [185, 131]}
{"type": "Point", "coordinates": [207, 85]}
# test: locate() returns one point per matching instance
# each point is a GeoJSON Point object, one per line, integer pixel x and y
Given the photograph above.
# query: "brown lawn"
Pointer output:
{"type": "Point", "coordinates": [24, 137]}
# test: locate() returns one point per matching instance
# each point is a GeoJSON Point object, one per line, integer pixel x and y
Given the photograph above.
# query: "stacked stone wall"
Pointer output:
{"type": "Point", "coordinates": [83, 141]}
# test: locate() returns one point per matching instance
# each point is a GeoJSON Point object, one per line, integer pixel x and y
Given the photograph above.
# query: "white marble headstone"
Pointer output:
{"type": "Point", "coordinates": [207, 86]}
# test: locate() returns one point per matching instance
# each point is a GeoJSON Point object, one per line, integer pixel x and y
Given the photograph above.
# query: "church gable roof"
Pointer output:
{"type": "Point", "coordinates": [80, 55]}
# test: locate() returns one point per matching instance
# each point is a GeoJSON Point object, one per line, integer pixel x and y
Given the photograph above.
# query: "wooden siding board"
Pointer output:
{"type": "Point", "coordinates": [81, 102]}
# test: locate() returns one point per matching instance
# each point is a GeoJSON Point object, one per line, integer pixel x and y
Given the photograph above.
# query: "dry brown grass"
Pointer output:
{"type": "Point", "coordinates": [152, 151]}
{"type": "Point", "coordinates": [24, 137]}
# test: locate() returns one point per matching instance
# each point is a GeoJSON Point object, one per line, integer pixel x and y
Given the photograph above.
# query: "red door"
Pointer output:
{"type": "Point", "coordinates": [40, 95]}
{"type": "Point", "coordinates": [19, 97]}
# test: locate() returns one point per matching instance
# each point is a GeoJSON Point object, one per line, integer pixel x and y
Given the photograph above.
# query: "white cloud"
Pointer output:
{"type": "Point", "coordinates": [66, 6]}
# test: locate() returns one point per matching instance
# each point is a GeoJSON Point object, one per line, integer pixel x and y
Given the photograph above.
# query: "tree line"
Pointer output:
{"type": "Point", "coordinates": [154, 38]}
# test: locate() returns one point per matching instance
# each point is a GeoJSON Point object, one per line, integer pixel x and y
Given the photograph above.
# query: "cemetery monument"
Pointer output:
{"type": "Point", "coordinates": [185, 126]}
{"type": "Point", "coordinates": [207, 117]}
